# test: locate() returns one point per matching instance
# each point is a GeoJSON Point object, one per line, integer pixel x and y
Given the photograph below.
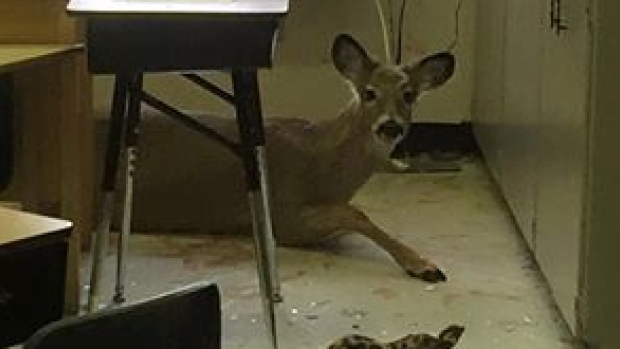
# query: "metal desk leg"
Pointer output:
{"type": "Point", "coordinates": [115, 135]}
{"type": "Point", "coordinates": [129, 167]}
{"type": "Point", "coordinates": [249, 119]}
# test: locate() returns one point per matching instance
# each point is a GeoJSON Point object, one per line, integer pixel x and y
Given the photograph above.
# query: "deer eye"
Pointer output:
{"type": "Point", "coordinates": [369, 94]}
{"type": "Point", "coordinates": [408, 97]}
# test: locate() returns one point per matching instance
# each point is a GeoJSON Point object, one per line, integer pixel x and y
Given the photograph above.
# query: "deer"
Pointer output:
{"type": "Point", "coordinates": [322, 164]}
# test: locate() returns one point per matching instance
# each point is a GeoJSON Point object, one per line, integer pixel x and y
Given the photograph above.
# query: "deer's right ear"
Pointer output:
{"type": "Point", "coordinates": [432, 72]}
{"type": "Point", "coordinates": [350, 59]}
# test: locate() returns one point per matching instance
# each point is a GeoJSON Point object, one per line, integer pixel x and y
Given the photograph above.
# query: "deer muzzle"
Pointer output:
{"type": "Point", "coordinates": [391, 130]}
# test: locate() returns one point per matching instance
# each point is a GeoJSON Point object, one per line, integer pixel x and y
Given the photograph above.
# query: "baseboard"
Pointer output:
{"type": "Point", "coordinates": [437, 139]}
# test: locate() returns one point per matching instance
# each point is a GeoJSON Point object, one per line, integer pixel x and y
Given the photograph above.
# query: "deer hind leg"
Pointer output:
{"type": "Point", "coordinates": [329, 220]}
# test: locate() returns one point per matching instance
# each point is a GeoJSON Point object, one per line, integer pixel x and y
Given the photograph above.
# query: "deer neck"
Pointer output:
{"type": "Point", "coordinates": [348, 128]}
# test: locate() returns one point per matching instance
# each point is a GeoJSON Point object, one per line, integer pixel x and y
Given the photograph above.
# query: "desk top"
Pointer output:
{"type": "Point", "coordinates": [240, 7]}
{"type": "Point", "coordinates": [13, 57]}
{"type": "Point", "coordinates": [17, 226]}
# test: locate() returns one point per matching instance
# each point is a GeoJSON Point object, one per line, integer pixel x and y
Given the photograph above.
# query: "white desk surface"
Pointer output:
{"type": "Point", "coordinates": [95, 7]}
{"type": "Point", "coordinates": [17, 225]}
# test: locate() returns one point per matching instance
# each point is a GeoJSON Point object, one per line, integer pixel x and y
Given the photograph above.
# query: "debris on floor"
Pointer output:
{"type": "Point", "coordinates": [445, 340]}
{"type": "Point", "coordinates": [455, 218]}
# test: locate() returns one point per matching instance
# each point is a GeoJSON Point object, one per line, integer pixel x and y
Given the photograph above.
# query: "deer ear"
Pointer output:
{"type": "Point", "coordinates": [350, 58]}
{"type": "Point", "coordinates": [431, 72]}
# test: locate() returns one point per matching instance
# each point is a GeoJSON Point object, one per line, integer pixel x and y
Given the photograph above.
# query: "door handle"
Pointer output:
{"type": "Point", "coordinates": [556, 17]}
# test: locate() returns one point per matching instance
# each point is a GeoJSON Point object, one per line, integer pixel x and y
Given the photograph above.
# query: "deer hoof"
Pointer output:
{"type": "Point", "coordinates": [434, 275]}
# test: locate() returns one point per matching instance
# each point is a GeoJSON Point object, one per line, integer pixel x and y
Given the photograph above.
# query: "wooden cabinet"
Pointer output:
{"type": "Point", "coordinates": [40, 55]}
{"type": "Point", "coordinates": [507, 100]}
{"type": "Point", "coordinates": [562, 155]}
{"type": "Point", "coordinates": [538, 144]}
{"type": "Point", "coordinates": [549, 129]}
{"type": "Point", "coordinates": [488, 106]}
{"type": "Point", "coordinates": [534, 146]}
{"type": "Point", "coordinates": [518, 141]}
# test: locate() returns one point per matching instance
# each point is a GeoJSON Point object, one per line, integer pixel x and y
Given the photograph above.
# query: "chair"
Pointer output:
{"type": "Point", "coordinates": [189, 318]}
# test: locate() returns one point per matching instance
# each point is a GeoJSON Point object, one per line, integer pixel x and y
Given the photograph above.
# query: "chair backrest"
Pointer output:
{"type": "Point", "coordinates": [189, 318]}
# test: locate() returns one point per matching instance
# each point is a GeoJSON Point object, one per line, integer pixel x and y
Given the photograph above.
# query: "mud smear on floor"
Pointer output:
{"type": "Point", "coordinates": [385, 293]}
{"type": "Point", "coordinates": [197, 252]}
{"type": "Point", "coordinates": [449, 299]}
{"type": "Point", "coordinates": [243, 292]}
{"type": "Point", "coordinates": [294, 275]}
{"type": "Point", "coordinates": [502, 296]}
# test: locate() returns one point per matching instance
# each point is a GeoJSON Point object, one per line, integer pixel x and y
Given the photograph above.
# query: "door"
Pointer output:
{"type": "Point", "coordinates": [488, 100]}
{"type": "Point", "coordinates": [519, 129]}
{"type": "Point", "coordinates": [562, 151]}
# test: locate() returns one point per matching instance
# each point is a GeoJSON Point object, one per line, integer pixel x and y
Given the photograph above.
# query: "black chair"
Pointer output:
{"type": "Point", "coordinates": [186, 319]}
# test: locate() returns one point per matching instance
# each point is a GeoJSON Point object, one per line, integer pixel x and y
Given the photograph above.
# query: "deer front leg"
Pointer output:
{"type": "Point", "coordinates": [329, 220]}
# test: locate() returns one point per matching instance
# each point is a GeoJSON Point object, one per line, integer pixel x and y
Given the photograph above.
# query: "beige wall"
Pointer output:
{"type": "Point", "coordinates": [303, 74]}
{"type": "Point", "coordinates": [303, 83]}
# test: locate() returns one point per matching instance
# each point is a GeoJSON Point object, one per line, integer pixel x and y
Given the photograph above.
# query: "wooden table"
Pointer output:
{"type": "Point", "coordinates": [14, 56]}
{"type": "Point", "coordinates": [53, 138]}
{"type": "Point", "coordinates": [22, 229]}
{"type": "Point", "coordinates": [33, 251]}
{"type": "Point", "coordinates": [130, 38]}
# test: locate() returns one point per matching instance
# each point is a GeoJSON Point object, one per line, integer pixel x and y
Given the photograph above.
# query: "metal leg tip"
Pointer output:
{"type": "Point", "coordinates": [277, 298]}
{"type": "Point", "coordinates": [119, 298]}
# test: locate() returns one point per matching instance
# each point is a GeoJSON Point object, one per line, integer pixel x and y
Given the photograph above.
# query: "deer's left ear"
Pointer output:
{"type": "Point", "coordinates": [431, 72]}
{"type": "Point", "coordinates": [351, 60]}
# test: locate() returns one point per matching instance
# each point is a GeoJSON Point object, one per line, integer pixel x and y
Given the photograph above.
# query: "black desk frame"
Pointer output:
{"type": "Point", "coordinates": [132, 45]}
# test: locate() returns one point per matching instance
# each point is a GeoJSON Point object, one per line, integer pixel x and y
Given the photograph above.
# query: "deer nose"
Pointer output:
{"type": "Point", "coordinates": [391, 129]}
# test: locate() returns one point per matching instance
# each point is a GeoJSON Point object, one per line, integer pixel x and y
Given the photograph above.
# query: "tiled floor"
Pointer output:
{"type": "Point", "coordinates": [456, 218]}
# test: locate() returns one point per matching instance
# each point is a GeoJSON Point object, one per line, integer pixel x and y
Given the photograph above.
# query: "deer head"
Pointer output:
{"type": "Point", "coordinates": [387, 94]}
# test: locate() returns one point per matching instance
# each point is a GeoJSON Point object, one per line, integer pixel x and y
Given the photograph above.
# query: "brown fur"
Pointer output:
{"type": "Point", "coordinates": [322, 164]}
